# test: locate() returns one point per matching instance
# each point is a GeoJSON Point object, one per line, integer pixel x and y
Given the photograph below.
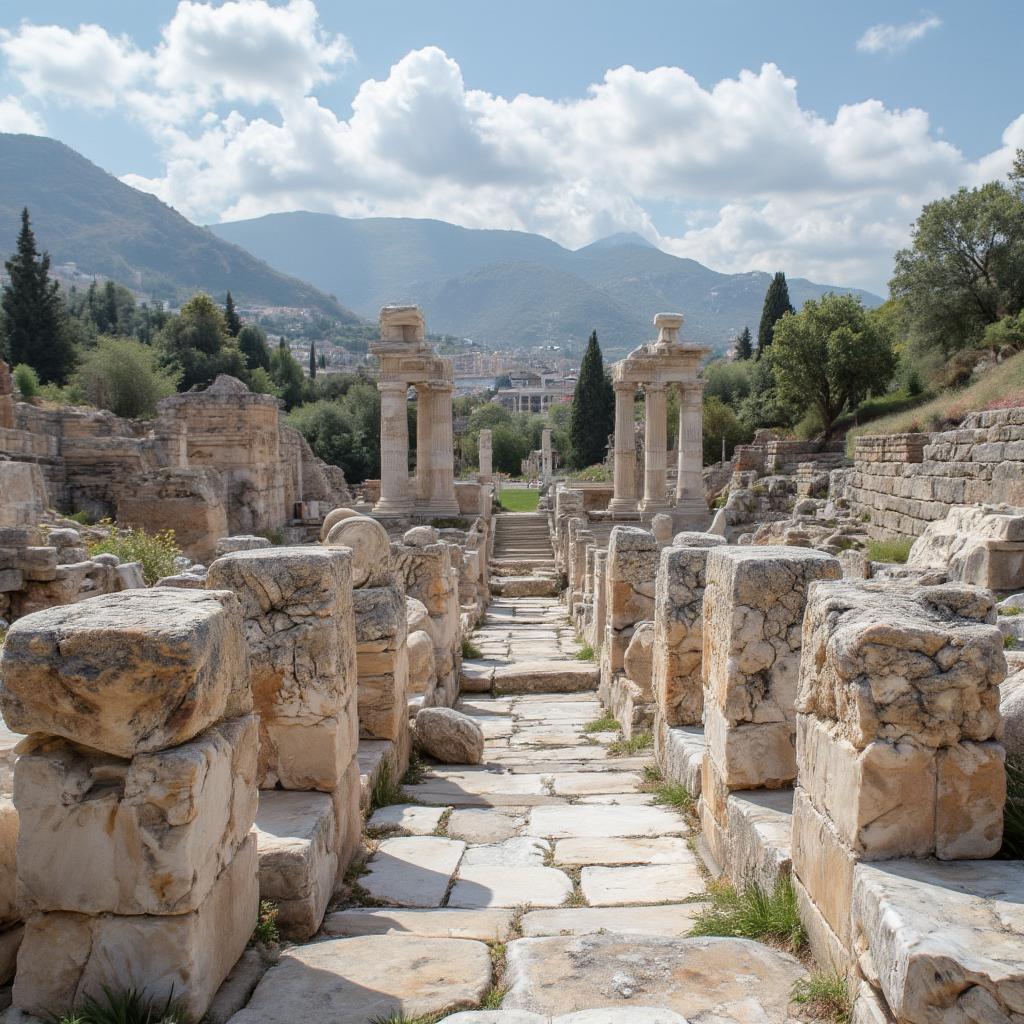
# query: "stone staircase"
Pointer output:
{"type": "Point", "coordinates": [523, 537]}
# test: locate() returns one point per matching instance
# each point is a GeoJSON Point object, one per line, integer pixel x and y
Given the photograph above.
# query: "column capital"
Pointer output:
{"type": "Point", "coordinates": [655, 387]}
{"type": "Point", "coordinates": [393, 385]}
{"type": "Point", "coordinates": [621, 386]}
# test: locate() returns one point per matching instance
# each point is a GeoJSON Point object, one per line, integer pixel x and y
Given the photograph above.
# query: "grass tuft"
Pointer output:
{"type": "Point", "coordinates": [417, 769]}
{"type": "Point", "coordinates": [586, 653]}
{"type": "Point", "coordinates": [127, 1006]}
{"type": "Point", "coordinates": [1013, 813]}
{"type": "Point", "coordinates": [666, 793]}
{"type": "Point", "coordinates": [825, 997]}
{"type": "Point", "coordinates": [634, 745]}
{"type": "Point", "coordinates": [470, 649]}
{"type": "Point", "coordinates": [895, 550]}
{"type": "Point", "coordinates": [398, 1017]}
{"type": "Point", "coordinates": [1010, 610]}
{"type": "Point", "coordinates": [386, 789]}
{"type": "Point", "coordinates": [266, 931]}
{"type": "Point", "coordinates": [606, 723]}
{"type": "Point", "coordinates": [754, 914]}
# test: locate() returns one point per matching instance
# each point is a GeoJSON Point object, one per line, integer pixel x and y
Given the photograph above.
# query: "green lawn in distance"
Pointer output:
{"type": "Point", "coordinates": [519, 500]}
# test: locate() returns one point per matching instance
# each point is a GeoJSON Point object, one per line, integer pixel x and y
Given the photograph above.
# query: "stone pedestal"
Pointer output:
{"type": "Point", "coordinates": [624, 499]}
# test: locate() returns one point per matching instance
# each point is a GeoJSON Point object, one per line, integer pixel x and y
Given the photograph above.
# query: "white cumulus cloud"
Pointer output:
{"type": "Point", "coordinates": [15, 118]}
{"type": "Point", "coordinates": [886, 38]}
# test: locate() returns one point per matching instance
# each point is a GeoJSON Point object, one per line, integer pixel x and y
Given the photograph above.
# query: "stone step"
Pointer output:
{"type": "Point", "coordinates": [545, 677]}
{"type": "Point", "coordinates": [524, 586]}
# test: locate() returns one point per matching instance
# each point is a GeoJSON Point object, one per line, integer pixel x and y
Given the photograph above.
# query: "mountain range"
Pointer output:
{"type": "Point", "coordinates": [513, 288]}
{"type": "Point", "coordinates": [83, 215]}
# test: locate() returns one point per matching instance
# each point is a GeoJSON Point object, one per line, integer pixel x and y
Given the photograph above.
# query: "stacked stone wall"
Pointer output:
{"type": "Point", "coordinates": [903, 482]}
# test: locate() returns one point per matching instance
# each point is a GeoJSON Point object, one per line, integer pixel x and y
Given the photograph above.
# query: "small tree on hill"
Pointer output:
{"type": "Point", "coordinates": [593, 409]}
{"type": "Point", "coordinates": [252, 343]}
{"type": "Point", "coordinates": [829, 357]}
{"type": "Point", "coordinates": [232, 320]}
{"type": "Point", "coordinates": [35, 320]}
{"type": "Point", "coordinates": [743, 348]}
{"type": "Point", "coordinates": [776, 306]}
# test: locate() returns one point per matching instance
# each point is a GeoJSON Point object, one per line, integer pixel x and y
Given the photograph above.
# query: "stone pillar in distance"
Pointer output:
{"type": "Point", "coordinates": [442, 500]}
{"type": "Point", "coordinates": [624, 499]}
{"type": "Point", "coordinates": [485, 457]}
{"type": "Point", "coordinates": [654, 450]}
{"type": "Point", "coordinates": [689, 481]}
{"type": "Point", "coordinates": [394, 450]}
{"type": "Point", "coordinates": [423, 432]}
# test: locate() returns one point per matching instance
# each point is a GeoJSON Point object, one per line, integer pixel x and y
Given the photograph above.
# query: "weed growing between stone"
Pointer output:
{"type": "Point", "coordinates": [1013, 814]}
{"type": "Point", "coordinates": [266, 932]}
{"type": "Point", "coordinates": [400, 1018]}
{"type": "Point", "coordinates": [157, 551]}
{"type": "Point", "coordinates": [754, 914]}
{"type": "Point", "coordinates": [470, 649]}
{"type": "Point", "coordinates": [1011, 610]}
{"type": "Point", "coordinates": [895, 550]}
{"type": "Point", "coordinates": [666, 793]}
{"type": "Point", "coordinates": [127, 1006]}
{"type": "Point", "coordinates": [417, 769]}
{"type": "Point", "coordinates": [824, 997]}
{"type": "Point", "coordinates": [386, 789]}
{"type": "Point", "coordinates": [498, 990]}
{"type": "Point", "coordinates": [638, 742]}
{"type": "Point", "coordinates": [585, 653]}
{"type": "Point", "coordinates": [606, 723]}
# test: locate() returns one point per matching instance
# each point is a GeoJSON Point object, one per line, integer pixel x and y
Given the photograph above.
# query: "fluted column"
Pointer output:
{"type": "Point", "coordinates": [423, 431]}
{"type": "Point", "coordinates": [690, 482]}
{"type": "Point", "coordinates": [654, 450]}
{"type": "Point", "coordinates": [485, 449]}
{"type": "Point", "coordinates": [394, 450]}
{"type": "Point", "coordinates": [624, 498]}
{"type": "Point", "coordinates": [442, 452]}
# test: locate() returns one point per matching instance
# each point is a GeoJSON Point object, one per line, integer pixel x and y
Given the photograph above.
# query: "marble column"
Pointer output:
{"type": "Point", "coordinates": [624, 499]}
{"type": "Point", "coordinates": [423, 430]}
{"type": "Point", "coordinates": [442, 500]}
{"type": "Point", "coordinates": [394, 450]}
{"type": "Point", "coordinates": [545, 452]}
{"type": "Point", "coordinates": [655, 464]}
{"type": "Point", "coordinates": [690, 481]}
{"type": "Point", "coordinates": [485, 457]}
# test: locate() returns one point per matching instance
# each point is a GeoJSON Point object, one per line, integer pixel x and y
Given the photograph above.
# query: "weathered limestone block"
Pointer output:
{"type": "Point", "coordinates": [943, 941]}
{"type": "Point", "coordinates": [753, 608]}
{"type": "Point", "coordinates": [449, 736]}
{"type": "Point", "coordinates": [422, 671]}
{"type": "Point", "coordinates": [983, 545]}
{"type": "Point", "coordinates": [297, 607]}
{"type": "Point", "coordinates": [638, 659]}
{"type": "Point", "coordinates": [146, 836]}
{"type": "Point", "coordinates": [371, 553]}
{"type": "Point", "coordinates": [24, 493]}
{"type": "Point", "coordinates": [241, 542]}
{"type": "Point", "coordinates": [191, 502]}
{"type": "Point", "coordinates": [65, 957]}
{"type": "Point", "coordinates": [632, 571]}
{"type": "Point", "coordinates": [296, 837]}
{"type": "Point", "coordinates": [382, 659]}
{"type": "Point", "coordinates": [678, 628]}
{"type": "Point", "coordinates": [10, 912]}
{"type": "Point", "coordinates": [888, 662]}
{"type": "Point", "coordinates": [127, 673]}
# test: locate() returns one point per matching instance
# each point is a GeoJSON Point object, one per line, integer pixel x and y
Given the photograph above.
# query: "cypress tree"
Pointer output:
{"type": "Point", "coordinates": [312, 360]}
{"type": "Point", "coordinates": [776, 305]}
{"type": "Point", "coordinates": [593, 409]}
{"type": "Point", "coordinates": [743, 347]}
{"type": "Point", "coordinates": [34, 314]}
{"type": "Point", "coordinates": [231, 317]}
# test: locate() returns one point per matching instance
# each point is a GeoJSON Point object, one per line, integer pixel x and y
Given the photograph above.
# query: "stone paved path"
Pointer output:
{"type": "Point", "coordinates": [582, 888]}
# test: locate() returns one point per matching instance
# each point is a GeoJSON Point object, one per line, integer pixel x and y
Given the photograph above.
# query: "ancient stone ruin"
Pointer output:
{"type": "Point", "coordinates": [422, 758]}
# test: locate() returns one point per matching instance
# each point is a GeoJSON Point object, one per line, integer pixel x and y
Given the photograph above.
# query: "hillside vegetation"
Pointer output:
{"type": "Point", "coordinates": [83, 215]}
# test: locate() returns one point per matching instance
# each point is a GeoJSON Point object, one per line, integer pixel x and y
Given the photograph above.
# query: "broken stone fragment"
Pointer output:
{"type": "Point", "coordinates": [449, 736]}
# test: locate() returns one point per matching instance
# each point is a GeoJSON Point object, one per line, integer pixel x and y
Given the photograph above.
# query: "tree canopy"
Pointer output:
{"type": "Point", "coordinates": [776, 306]}
{"type": "Point", "coordinates": [593, 409]}
{"type": "Point", "coordinates": [743, 347]}
{"type": "Point", "coordinates": [829, 357]}
{"type": "Point", "coordinates": [196, 343]}
{"type": "Point", "coordinates": [964, 268]}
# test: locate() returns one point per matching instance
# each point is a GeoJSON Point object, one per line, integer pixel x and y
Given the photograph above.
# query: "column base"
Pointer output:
{"type": "Point", "coordinates": [655, 505]}
{"type": "Point", "coordinates": [439, 507]}
{"type": "Point", "coordinates": [622, 505]}
{"type": "Point", "coordinates": [393, 507]}
{"type": "Point", "coordinates": [692, 511]}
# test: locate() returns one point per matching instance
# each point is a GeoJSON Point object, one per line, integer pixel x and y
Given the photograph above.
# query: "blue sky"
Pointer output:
{"type": "Point", "coordinates": [796, 135]}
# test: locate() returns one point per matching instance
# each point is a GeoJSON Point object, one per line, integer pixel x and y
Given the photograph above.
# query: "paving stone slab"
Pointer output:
{"type": "Point", "coordinates": [590, 783]}
{"type": "Point", "coordinates": [488, 885]}
{"type": "Point", "coordinates": [595, 821]}
{"type": "Point", "coordinates": [663, 850]}
{"type": "Point", "coordinates": [483, 925]}
{"type": "Point", "coordinates": [622, 800]}
{"type": "Point", "coordinates": [706, 979]}
{"type": "Point", "coordinates": [646, 883]}
{"type": "Point", "coordinates": [412, 871]}
{"type": "Point", "coordinates": [631, 1015]}
{"type": "Point", "coordinates": [486, 825]}
{"type": "Point", "coordinates": [352, 981]}
{"type": "Point", "coordinates": [412, 818]}
{"type": "Point", "coordinates": [520, 851]}
{"type": "Point", "coordinates": [671, 920]}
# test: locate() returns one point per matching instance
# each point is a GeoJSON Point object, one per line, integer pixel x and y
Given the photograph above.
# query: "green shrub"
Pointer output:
{"type": "Point", "coordinates": [125, 376]}
{"type": "Point", "coordinates": [26, 380]}
{"type": "Point", "coordinates": [754, 914]}
{"type": "Point", "coordinates": [470, 649]}
{"type": "Point", "coordinates": [894, 550]}
{"type": "Point", "coordinates": [1009, 642]}
{"type": "Point", "coordinates": [82, 518]}
{"type": "Point", "coordinates": [156, 551]}
{"type": "Point", "coordinates": [128, 1006]}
